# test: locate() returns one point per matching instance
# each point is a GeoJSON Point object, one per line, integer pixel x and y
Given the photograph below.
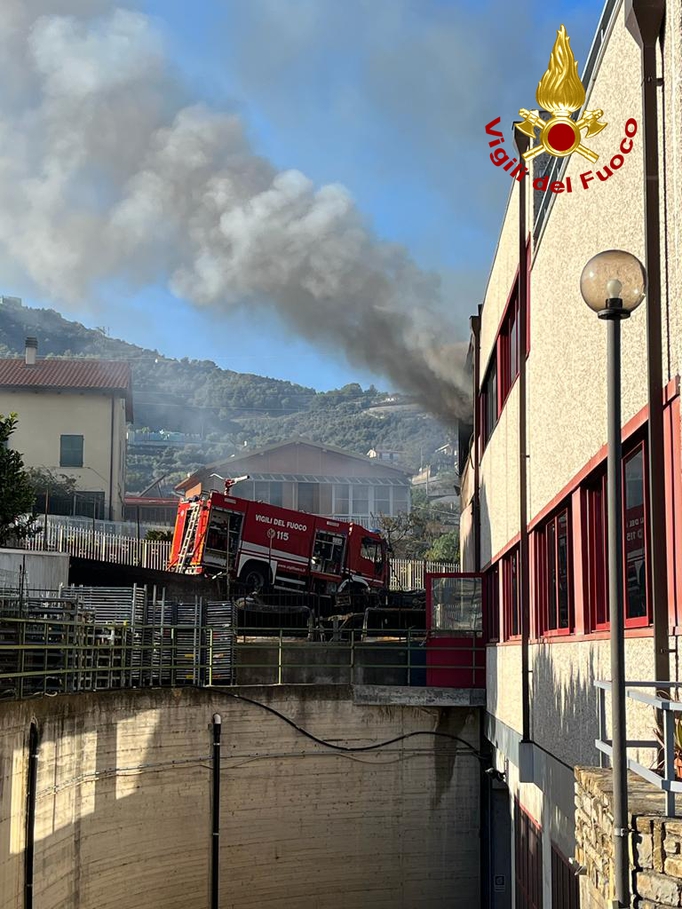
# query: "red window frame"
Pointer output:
{"type": "Point", "coordinates": [595, 547]}
{"type": "Point", "coordinates": [642, 531]}
{"type": "Point", "coordinates": [595, 551]}
{"type": "Point", "coordinates": [510, 347]}
{"type": "Point", "coordinates": [511, 595]}
{"type": "Point", "coordinates": [547, 573]}
{"type": "Point", "coordinates": [505, 362]}
{"type": "Point", "coordinates": [492, 581]}
{"type": "Point", "coordinates": [490, 417]}
{"type": "Point", "coordinates": [528, 860]}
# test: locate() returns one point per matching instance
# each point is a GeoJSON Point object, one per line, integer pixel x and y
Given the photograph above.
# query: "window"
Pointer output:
{"type": "Point", "coordinates": [509, 347]}
{"type": "Point", "coordinates": [595, 552]}
{"type": "Point", "coordinates": [370, 549]}
{"type": "Point", "coordinates": [635, 541]}
{"type": "Point", "coordinates": [456, 604]}
{"type": "Point", "coordinates": [489, 403]}
{"type": "Point", "coordinates": [493, 602]}
{"type": "Point", "coordinates": [325, 499]}
{"type": "Point", "coordinates": [553, 574]}
{"type": "Point", "coordinates": [262, 491]}
{"type": "Point", "coordinates": [243, 490]}
{"type": "Point", "coordinates": [360, 500]}
{"type": "Point", "coordinates": [634, 536]}
{"type": "Point", "coordinates": [71, 451]}
{"type": "Point", "coordinates": [341, 499]}
{"type": "Point", "coordinates": [275, 493]}
{"type": "Point", "coordinates": [309, 497]}
{"type": "Point", "coordinates": [528, 855]}
{"type": "Point", "coordinates": [400, 499]}
{"type": "Point", "coordinates": [565, 886]}
{"type": "Point", "coordinates": [328, 552]}
{"type": "Point", "coordinates": [510, 594]}
{"type": "Point", "coordinates": [382, 500]}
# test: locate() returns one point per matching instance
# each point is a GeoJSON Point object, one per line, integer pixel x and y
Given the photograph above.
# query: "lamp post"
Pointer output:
{"type": "Point", "coordinates": [613, 284]}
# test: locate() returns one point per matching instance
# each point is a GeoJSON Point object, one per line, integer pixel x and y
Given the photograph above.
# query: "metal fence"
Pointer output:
{"type": "Point", "coordinates": [80, 639]}
{"type": "Point", "coordinates": [84, 542]}
{"type": "Point", "coordinates": [89, 639]}
{"type": "Point", "coordinates": [76, 653]}
{"type": "Point", "coordinates": [663, 750]}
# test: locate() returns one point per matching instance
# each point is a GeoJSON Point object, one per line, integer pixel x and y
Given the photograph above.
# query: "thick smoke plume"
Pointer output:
{"type": "Point", "coordinates": [106, 172]}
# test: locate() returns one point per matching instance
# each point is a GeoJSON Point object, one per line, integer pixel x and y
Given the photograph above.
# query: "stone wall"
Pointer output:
{"type": "Point", "coordinates": [655, 843]}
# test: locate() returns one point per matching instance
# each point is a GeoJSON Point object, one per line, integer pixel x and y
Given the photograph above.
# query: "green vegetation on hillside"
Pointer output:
{"type": "Point", "coordinates": [227, 412]}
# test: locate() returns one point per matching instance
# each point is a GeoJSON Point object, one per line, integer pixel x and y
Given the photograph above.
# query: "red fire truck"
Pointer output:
{"type": "Point", "coordinates": [264, 546]}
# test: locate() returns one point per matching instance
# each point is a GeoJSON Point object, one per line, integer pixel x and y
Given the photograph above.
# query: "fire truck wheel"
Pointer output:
{"type": "Point", "coordinates": [254, 578]}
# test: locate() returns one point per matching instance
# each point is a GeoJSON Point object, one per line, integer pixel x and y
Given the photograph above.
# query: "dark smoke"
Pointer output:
{"type": "Point", "coordinates": [106, 173]}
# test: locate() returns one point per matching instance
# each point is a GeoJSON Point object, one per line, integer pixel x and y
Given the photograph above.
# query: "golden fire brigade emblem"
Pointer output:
{"type": "Point", "coordinates": [561, 93]}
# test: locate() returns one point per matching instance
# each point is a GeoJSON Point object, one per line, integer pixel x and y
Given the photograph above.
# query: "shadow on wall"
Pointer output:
{"type": "Point", "coordinates": [485, 532]}
{"type": "Point", "coordinates": [124, 814]}
{"type": "Point", "coordinates": [102, 781]}
{"type": "Point", "coordinates": [564, 718]}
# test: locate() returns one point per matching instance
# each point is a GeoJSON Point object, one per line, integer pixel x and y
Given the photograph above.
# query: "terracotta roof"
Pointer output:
{"type": "Point", "coordinates": [149, 501]}
{"type": "Point", "coordinates": [103, 375]}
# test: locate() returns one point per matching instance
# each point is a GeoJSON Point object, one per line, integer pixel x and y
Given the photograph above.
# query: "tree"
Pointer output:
{"type": "Point", "coordinates": [413, 535]}
{"type": "Point", "coordinates": [445, 548]}
{"type": "Point", "coordinates": [16, 492]}
{"type": "Point", "coordinates": [58, 484]}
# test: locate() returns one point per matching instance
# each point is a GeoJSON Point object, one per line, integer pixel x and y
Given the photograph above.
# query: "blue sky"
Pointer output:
{"type": "Point", "coordinates": [388, 97]}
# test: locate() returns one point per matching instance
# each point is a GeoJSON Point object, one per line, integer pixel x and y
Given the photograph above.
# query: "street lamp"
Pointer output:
{"type": "Point", "coordinates": [613, 284]}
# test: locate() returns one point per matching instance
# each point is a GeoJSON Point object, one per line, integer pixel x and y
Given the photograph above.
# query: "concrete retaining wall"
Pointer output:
{"type": "Point", "coordinates": [123, 804]}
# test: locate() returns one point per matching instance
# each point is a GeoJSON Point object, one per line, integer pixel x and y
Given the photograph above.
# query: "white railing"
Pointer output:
{"type": "Point", "coordinates": [409, 574]}
{"type": "Point", "coordinates": [115, 528]}
{"type": "Point", "coordinates": [86, 543]}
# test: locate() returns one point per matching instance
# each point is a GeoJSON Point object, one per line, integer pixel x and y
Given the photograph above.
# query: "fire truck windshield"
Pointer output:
{"type": "Point", "coordinates": [371, 549]}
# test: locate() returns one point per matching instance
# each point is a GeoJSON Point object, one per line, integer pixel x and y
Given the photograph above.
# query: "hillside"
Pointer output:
{"type": "Point", "coordinates": [226, 411]}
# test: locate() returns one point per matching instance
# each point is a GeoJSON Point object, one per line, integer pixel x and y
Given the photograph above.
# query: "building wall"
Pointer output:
{"type": "Point", "coordinates": [307, 464]}
{"type": "Point", "coordinates": [566, 423]}
{"type": "Point", "coordinates": [124, 786]}
{"type": "Point", "coordinates": [567, 363]}
{"type": "Point", "coordinates": [33, 570]}
{"type": "Point", "coordinates": [307, 459]}
{"type": "Point", "coordinates": [45, 416]}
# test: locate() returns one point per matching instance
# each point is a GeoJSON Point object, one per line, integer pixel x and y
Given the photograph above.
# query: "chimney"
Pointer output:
{"type": "Point", "coordinates": [31, 351]}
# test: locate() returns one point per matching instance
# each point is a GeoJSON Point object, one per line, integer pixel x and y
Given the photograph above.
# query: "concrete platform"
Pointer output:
{"type": "Point", "coordinates": [418, 697]}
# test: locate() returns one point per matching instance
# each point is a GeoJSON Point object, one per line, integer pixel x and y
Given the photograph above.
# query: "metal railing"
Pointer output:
{"type": "Point", "coordinates": [48, 655]}
{"type": "Point", "coordinates": [664, 777]}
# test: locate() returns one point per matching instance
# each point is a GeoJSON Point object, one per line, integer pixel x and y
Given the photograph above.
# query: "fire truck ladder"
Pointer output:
{"type": "Point", "coordinates": [187, 548]}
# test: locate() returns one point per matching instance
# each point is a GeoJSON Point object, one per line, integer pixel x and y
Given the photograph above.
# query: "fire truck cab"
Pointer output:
{"type": "Point", "coordinates": [264, 546]}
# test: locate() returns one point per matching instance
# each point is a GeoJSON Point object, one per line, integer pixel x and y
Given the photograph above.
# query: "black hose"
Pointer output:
{"type": "Point", "coordinates": [397, 738]}
{"type": "Point", "coordinates": [31, 787]}
{"type": "Point", "coordinates": [215, 833]}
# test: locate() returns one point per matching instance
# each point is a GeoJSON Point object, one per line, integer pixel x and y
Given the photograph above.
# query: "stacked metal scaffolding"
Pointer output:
{"type": "Point", "coordinates": [95, 638]}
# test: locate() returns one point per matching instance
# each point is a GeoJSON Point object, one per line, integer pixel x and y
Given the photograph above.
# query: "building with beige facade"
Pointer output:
{"type": "Point", "coordinates": [72, 417]}
{"type": "Point", "coordinates": [308, 476]}
{"type": "Point", "coordinates": [533, 490]}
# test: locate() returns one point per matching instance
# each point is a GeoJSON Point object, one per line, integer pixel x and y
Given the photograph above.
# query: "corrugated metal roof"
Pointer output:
{"type": "Point", "coordinates": [105, 375]}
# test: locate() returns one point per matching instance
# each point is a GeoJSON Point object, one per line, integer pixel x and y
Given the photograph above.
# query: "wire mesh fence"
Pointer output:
{"type": "Point", "coordinates": [92, 639]}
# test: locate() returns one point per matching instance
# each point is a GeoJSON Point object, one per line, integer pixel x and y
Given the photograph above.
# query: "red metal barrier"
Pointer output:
{"type": "Point", "coordinates": [455, 646]}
